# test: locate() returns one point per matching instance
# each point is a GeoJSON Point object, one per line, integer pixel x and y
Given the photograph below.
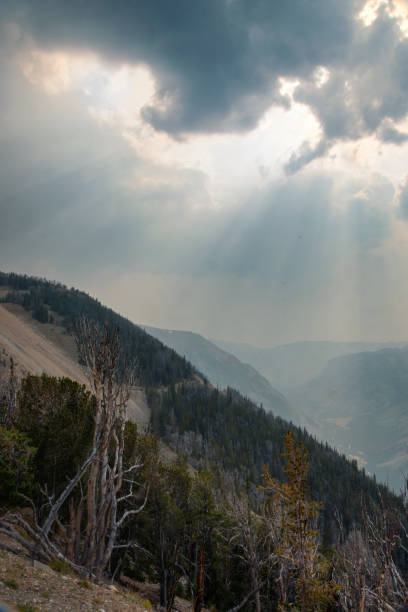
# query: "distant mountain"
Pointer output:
{"type": "Point", "coordinates": [359, 404]}
{"type": "Point", "coordinates": [291, 365]}
{"type": "Point", "coordinates": [214, 429]}
{"type": "Point", "coordinates": [223, 369]}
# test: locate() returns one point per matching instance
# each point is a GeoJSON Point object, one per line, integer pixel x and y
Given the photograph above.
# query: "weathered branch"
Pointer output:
{"type": "Point", "coordinates": [70, 486]}
{"type": "Point", "coordinates": [248, 597]}
{"type": "Point", "coordinates": [133, 511]}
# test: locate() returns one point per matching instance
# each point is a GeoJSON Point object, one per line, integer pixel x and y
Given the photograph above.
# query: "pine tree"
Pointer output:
{"type": "Point", "coordinates": [303, 572]}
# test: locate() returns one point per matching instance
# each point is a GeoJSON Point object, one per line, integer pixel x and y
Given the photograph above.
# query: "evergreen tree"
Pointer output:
{"type": "Point", "coordinates": [303, 572]}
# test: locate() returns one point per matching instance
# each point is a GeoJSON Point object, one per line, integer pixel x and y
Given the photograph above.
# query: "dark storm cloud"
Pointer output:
{"type": "Point", "coordinates": [368, 90]}
{"type": "Point", "coordinates": [77, 204]}
{"type": "Point", "coordinates": [216, 62]}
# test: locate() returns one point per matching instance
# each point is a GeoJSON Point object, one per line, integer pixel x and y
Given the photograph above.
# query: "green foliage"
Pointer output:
{"type": "Point", "coordinates": [11, 583]}
{"type": "Point", "coordinates": [131, 443]}
{"type": "Point", "coordinates": [41, 313]}
{"type": "Point", "coordinates": [57, 415]}
{"type": "Point", "coordinates": [16, 466]}
{"type": "Point", "coordinates": [8, 392]}
{"type": "Point", "coordinates": [26, 607]}
{"type": "Point", "coordinates": [296, 545]}
{"type": "Point", "coordinates": [60, 566]}
{"type": "Point", "coordinates": [135, 598]}
{"type": "Point", "coordinates": [227, 432]}
{"type": "Point", "coordinates": [178, 526]}
{"type": "Point", "coordinates": [181, 530]}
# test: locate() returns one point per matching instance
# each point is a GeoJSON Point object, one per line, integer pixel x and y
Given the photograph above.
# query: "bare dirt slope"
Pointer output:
{"type": "Point", "coordinates": [31, 350]}
{"type": "Point", "coordinates": [29, 585]}
{"type": "Point", "coordinates": [38, 348]}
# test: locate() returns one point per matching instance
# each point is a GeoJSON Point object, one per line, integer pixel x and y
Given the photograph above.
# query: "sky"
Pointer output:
{"type": "Point", "coordinates": [233, 167]}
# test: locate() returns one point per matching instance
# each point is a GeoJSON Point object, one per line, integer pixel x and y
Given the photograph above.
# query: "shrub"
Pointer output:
{"type": "Point", "coordinates": [16, 466]}
{"type": "Point", "coordinates": [26, 607]}
{"type": "Point", "coordinates": [60, 566]}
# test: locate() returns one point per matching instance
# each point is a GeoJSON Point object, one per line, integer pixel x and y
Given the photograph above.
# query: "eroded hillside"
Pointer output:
{"type": "Point", "coordinates": [43, 347]}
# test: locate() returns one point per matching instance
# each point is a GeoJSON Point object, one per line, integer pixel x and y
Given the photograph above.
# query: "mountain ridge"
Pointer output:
{"type": "Point", "coordinates": [287, 366]}
{"type": "Point", "coordinates": [221, 431]}
{"type": "Point", "coordinates": [359, 403]}
{"type": "Point", "coordinates": [223, 369]}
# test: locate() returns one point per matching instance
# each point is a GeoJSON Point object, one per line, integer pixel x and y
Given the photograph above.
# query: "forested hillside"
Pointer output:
{"type": "Point", "coordinates": [228, 433]}
{"type": "Point", "coordinates": [233, 432]}
{"type": "Point", "coordinates": [224, 370]}
{"type": "Point", "coordinates": [249, 511]}
{"type": "Point", "coordinates": [157, 364]}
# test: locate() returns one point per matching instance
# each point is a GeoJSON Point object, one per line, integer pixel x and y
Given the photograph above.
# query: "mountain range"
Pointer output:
{"type": "Point", "coordinates": [224, 370]}
{"type": "Point", "coordinates": [213, 428]}
{"type": "Point", "coordinates": [359, 404]}
{"type": "Point", "coordinates": [354, 395]}
{"type": "Point", "coordinates": [290, 365]}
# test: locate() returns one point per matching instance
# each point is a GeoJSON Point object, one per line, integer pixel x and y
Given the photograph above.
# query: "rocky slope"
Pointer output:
{"type": "Point", "coordinates": [44, 347]}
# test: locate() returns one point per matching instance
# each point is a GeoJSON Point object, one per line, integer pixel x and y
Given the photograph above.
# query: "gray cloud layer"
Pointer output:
{"type": "Point", "coordinates": [73, 190]}
{"type": "Point", "coordinates": [217, 62]}
{"type": "Point", "coordinates": [75, 197]}
{"type": "Point", "coordinates": [365, 92]}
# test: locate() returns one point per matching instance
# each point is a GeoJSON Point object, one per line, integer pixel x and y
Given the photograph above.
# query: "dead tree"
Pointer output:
{"type": "Point", "coordinates": [111, 494]}
{"type": "Point", "coordinates": [111, 377]}
{"type": "Point", "coordinates": [354, 570]}
{"type": "Point", "coordinates": [383, 534]}
{"type": "Point", "coordinates": [248, 534]}
{"type": "Point", "coordinates": [366, 572]}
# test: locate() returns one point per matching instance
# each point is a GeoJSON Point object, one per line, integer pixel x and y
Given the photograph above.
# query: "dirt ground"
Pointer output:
{"type": "Point", "coordinates": [31, 350]}
{"type": "Point", "coordinates": [34, 587]}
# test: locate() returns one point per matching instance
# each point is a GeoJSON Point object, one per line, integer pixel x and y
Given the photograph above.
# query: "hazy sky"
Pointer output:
{"type": "Point", "coordinates": [234, 167]}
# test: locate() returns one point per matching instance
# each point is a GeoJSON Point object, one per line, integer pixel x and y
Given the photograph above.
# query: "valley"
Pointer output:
{"type": "Point", "coordinates": [224, 370]}
{"type": "Point", "coordinates": [205, 443]}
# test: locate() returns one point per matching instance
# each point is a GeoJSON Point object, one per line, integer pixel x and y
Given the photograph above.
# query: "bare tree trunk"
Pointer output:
{"type": "Point", "coordinates": [254, 580]}
{"type": "Point", "coordinates": [200, 586]}
{"type": "Point", "coordinates": [66, 492]}
{"type": "Point", "coordinates": [110, 381]}
{"type": "Point", "coordinates": [110, 378]}
{"type": "Point", "coordinates": [164, 571]}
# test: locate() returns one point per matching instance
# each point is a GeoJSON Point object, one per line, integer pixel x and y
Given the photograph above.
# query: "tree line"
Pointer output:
{"type": "Point", "coordinates": [104, 501]}
{"type": "Point", "coordinates": [49, 301]}
{"type": "Point", "coordinates": [311, 532]}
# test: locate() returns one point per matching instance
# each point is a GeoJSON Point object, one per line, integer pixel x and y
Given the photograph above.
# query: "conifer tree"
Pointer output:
{"type": "Point", "coordinates": [304, 579]}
